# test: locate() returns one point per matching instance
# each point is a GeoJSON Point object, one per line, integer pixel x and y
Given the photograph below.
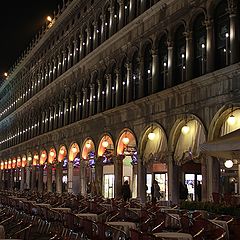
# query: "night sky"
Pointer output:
{"type": "Point", "coordinates": [20, 20]}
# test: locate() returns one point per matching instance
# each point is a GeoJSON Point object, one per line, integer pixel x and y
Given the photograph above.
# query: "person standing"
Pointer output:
{"type": "Point", "coordinates": [199, 191]}
{"type": "Point", "coordinates": [126, 192]}
{"type": "Point", "coordinates": [155, 191]}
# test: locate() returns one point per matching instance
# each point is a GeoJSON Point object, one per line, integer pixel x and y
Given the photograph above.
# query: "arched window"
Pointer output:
{"type": "Point", "coordinates": [113, 86]}
{"type": "Point", "coordinates": [147, 77]}
{"type": "Point", "coordinates": [95, 93]}
{"type": "Point", "coordinates": [107, 22]}
{"type": "Point", "coordinates": [126, 12]}
{"type": "Point", "coordinates": [221, 27]}
{"type": "Point", "coordinates": [84, 42]}
{"type": "Point", "coordinates": [163, 60]}
{"type": "Point", "coordinates": [199, 46]}
{"type": "Point", "coordinates": [116, 16]}
{"type": "Point", "coordinates": [77, 48]}
{"type": "Point", "coordinates": [70, 59]}
{"type": "Point", "coordinates": [99, 28]}
{"type": "Point", "coordinates": [179, 56]}
{"type": "Point", "coordinates": [91, 33]}
{"type": "Point", "coordinates": [135, 76]}
{"type": "Point", "coordinates": [124, 80]}
{"type": "Point", "coordinates": [88, 101]}
{"type": "Point", "coordinates": [104, 88]}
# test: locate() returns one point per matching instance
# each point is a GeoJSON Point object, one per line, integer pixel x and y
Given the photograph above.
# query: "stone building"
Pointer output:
{"type": "Point", "coordinates": [114, 90]}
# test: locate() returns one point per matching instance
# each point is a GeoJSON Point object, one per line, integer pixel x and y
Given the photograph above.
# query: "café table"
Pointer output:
{"type": "Point", "coordinates": [124, 226]}
{"type": "Point", "coordinates": [174, 235]}
{"type": "Point", "coordinates": [222, 224]}
{"type": "Point", "coordinates": [90, 216]}
{"type": "Point", "coordinates": [67, 210]}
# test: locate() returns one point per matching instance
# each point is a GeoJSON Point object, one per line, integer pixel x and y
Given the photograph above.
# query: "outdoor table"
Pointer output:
{"type": "Point", "coordinates": [222, 224]}
{"type": "Point", "coordinates": [124, 226]}
{"type": "Point", "coordinates": [174, 235]}
{"type": "Point", "coordinates": [90, 216]}
{"type": "Point", "coordinates": [68, 210]}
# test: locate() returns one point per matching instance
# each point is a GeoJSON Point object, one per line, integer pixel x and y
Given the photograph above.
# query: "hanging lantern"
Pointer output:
{"type": "Point", "coordinates": [88, 145]}
{"type": "Point", "coordinates": [29, 158]}
{"type": "Point", "coordinates": [231, 120]}
{"type": "Point", "coordinates": [228, 164]}
{"type": "Point", "coordinates": [24, 158]}
{"type": "Point", "coordinates": [52, 153]}
{"type": "Point", "coordinates": [105, 143]}
{"type": "Point", "coordinates": [151, 136]}
{"type": "Point", "coordinates": [185, 129]}
{"type": "Point", "coordinates": [74, 149]}
{"type": "Point", "coordinates": [43, 155]}
{"type": "Point", "coordinates": [35, 156]}
{"type": "Point", "coordinates": [125, 140]}
{"type": "Point", "coordinates": [61, 151]}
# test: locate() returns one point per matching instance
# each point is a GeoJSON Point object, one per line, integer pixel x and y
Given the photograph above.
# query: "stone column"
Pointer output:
{"type": "Point", "coordinates": [99, 177]}
{"type": "Point", "coordinates": [129, 82]}
{"type": "Point", "coordinates": [234, 36]}
{"type": "Point", "coordinates": [173, 183]}
{"type": "Point", "coordinates": [141, 78]}
{"type": "Point", "coordinates": [92, 89]}
{"type": "Point", "coordinates": [88, 41]}
{"type": "Point", "coordinates": [50, 73]}
{"type": "Point", "coordinates": [66, 111]}
{"type": "Point", "coordinates": [33, 185]}
{"type": "Point", "coordinates": [59, 177]}
{"type": "Point", "coordinates": [70, 176]}
{"type": "Point", "coordinates": [204, 179]}
{"type": "Point", "coordinates": [59, 66]}
{"type": "Point", "coordinates": [55, 117]}
{"type": "Point", "coordinates": [99, 97]}
{"type": "Point", "coordinates": [75, 51]}
{"type": "Point", "coordinates": [49, 177]}
{"type": "Point", "coordinates": [54, 69]}
{"type": "Point", "coordinates": [143, 5]}
{"type": "Point", "coordinates": [84, 104]}
{"type": "Point", "coordinates": [121, 13]}
{"type": "Point", "coordinates": [27, 177]}
{"type": "Point", "coordinates": [169, 82]}
{"type": "Point", "coordinates": [118, 172]}
{"type": "Point", "coordinates": [71, 110]}
{"type": "Point", "coordinates": [23, 178]}
{"type": "Point", "coordinates": [82, 178]}
{"type": "Point", "coordinates": [64, 62]}
{"type": "Point", "coordinates": [210, 47]}
{"type": "Point", "coordinates": [103, 28]}
{"type": "Point", "coordinates": [111, 24]}
{"type": "Point", "coordinates": [189, 56]}
{"type": "Point", "coordinates": [40, 178]}
{"type": "Point", "coordinates": [108, 91]}
{"type": "Point", "coordinates": [132, 9]}
{"type": "Point", "coordinates": [155, 71]}
{"type": "Point", "coordinates": [118, 88]}
{"type": "Point", "coordinates": [141, 180]}
{"type": "Point", "coordinates": [51, 118]}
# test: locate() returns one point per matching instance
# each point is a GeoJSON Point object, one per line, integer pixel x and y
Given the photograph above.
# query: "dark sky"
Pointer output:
{"type": "Point", "coordinates": [20, 20]}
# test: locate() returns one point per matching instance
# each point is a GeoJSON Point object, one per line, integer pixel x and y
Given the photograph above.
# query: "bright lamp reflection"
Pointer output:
{"type": "Point", "coordinates": [228, 164]}
{"type": "Point", "coordinates": [74, 149]}
{"type": "Point", "coordinates": [231, 120]}
{"type": "Point", "coordinates": [88, 145]}
{"type": "Point", "coordinates": [51, 153]}
{"type": "Point", "coordinates": [151, 136]}
{"type": "Point", "coordinates": [105, 143]}
{"type": "Point", "coordinates": [125, 140]}
{"type": "Point", "coordinates": [185, 129]}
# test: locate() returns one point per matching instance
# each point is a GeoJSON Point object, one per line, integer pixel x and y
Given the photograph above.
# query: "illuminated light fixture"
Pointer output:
{"type": "Point", "coordinates": [149, 71]}
{"type": "Point", "coordinates": [227, 35]}
{"type": "Point", "coordinates": [52, 153]}
{"type": "Point", "coordinates": [231, 120]}
{"type": "Point", "coordinates": [5, 74]}
{"type": "Point", "coordinates": [29, 158]}
{"type": "Point", "coordinates": [49, 19]}
{"type": "Point", "coordinates": [43, 155]}
{"type": "Point", "coordinates": [14, 161]}
{"type": "Point", "coordinates": [61, 151]}
{"type": "Point", "coordinates": [203, 46]}
{"type": "Point", "coordinates": [151, 136]}
{"type": "Point", "coordinates": [88, 145]}
{"type": "Point", "coordinates": [19, 160]}
{"type": "Point", "coordinates": [35, 156]}
{"type": "Point", "coordinates": [24, 158]}
{"type": "Point", "coordinates": [185, 129]}
{"type": "Point", "coordinates": [125, 140]}
{"type": "Point", "coordinates": [183, 55]}
{"type": "Point", "coordinates": [74, 149]}
{"type": "Point", "coordinates": [228, 163]}
{"type": "Point", "coordinates": [115, 16]}
{"type": "Point", "coordinates": [105, 143]}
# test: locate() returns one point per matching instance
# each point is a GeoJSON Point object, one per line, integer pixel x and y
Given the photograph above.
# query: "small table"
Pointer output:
{"type": "Point", "coordinates": [174, 235]}
{"type": "Point", "coordinates": [68, 210]}
{"type": "Point", "coordinates": [90, 216]}
{"type": "Point", "coordinates": [124, 226]}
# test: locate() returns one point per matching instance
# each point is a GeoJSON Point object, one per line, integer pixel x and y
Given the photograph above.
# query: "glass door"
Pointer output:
{"type": "Point", "coordinates": [162, 179]}
{"type": "Point", "coordinates": [192, 180]}
{"type": "Point", "coordinates": [108, 186]}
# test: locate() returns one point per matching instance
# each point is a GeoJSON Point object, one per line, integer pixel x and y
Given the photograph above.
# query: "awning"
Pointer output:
{"type": "Point", "coordinates": [227, 146]}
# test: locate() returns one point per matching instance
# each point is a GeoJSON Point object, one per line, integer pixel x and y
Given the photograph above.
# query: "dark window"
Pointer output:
{"type": "Point", "coordinates": [147, 77]}
{"type": "Point", "coordinates": [124, 80]}
{"type": "Point", "coordinates": [179, 56]}
{"type": "Point", "coordinates": [221, 27]}
{"type": "Point", "coordinates": [113, 86]}
{"type": "Point", "coordinates": [135, 76]}
{"type": "Point", "coordinates": [199, 46]}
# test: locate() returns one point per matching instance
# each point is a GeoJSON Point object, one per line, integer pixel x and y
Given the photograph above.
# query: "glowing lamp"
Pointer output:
{"type": "Point", "coordinates": [88, 145]}
{"type": "Point", "coordinates": [49, 19]}
{"type": "Point", "coordinates": [105, 143]}
{"type": "Point", "coordinates": [228, 163]}
{"type": "Point", "coordinates": [14, 161]}
{"type": "Point", "coordinates": [151, 136]}
{"type": "Point", "coordinates": [36, 157]}
{"type": "Point", "coordinates": [51, 153]}
{"type": "Point", "coordinates": [231, 120]}
{"type": "Point", "coordinates": [61, 151]}
{"type": "Point", "coordinates": [29, 158]}
{"type": "Point", "coordinates": [74, 149]}
{"type": "Point", "coordinates": [24, 158]}
{"type": "Point", "coordinates": [19, 160]}
{"type": "Point", "coordinates": [43, 155]}
{"type": "Point", "coordinates": [125, 140]}
{"type": "Point", "coordinates": [185, 129]}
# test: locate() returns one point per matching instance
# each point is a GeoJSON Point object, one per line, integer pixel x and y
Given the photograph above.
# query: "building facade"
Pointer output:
{"type": "Point", "coordinates": [124, 90]}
